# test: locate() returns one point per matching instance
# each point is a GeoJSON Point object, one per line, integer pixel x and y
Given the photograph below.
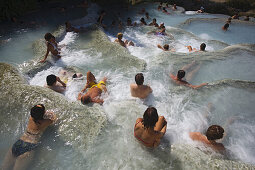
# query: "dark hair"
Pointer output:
{"type": "Point", "coordinates": [139, 79]}
{"type": "Point", "coordinates": [74, 75]}
{"type": "Point", "coordinates": [142, 20]}
{"type": "Point", "coordinates": [214, 132]}
{"type": "Point", "coordinates": [164, 8]}
{"type": "Point", "coordinates": [202, 47]}
{"type": "Point", "coordinates": [166, 47]}
{"type": "Point", "coordinates": [180, 74]}
{"type": "Point", "coordinates": [51, 79]}
{"type": "Point", "coordinates": [48, 36]}
{"type": "Point", "coordinates": [226, 26]}
{"type": "Point", "coordinates": [86, 99]}
{"type": "Point", "coordinates": [146, 13]}
{"type": "Point", "coordinates": [154, 19]}
{"type": "Point", "coordinates": [150, 117]}
{"type": "Point", "coordinates": [103, 11]}
{"type": "Point", "coordinates": [37, 112]}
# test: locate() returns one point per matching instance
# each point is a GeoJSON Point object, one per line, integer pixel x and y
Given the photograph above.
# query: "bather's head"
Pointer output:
{"type": "Point", "coordinates": [147, 15]}
{"type": "Point", "coordinates": [51, 79]}
{"type": "Point", "coordinates": [166, 47]}
{"type": "Point", "coordinates": [120, 36]}
{"type": "Point", "coordinates": [129, 21]}
{"type": "Point", "coordinates": [150, 117]}
{"type": "Point", "coordinates": [48, 36]}
{"type": "Point", "coordinates": [139, 79]}
{"type": "Point", "coordinates": [214, 132]}
{"type": "Point", "coordinates": [202, 47]}
{"type": "Point", "coordinates": [37, 112]}
{"type": "Point", "coordinates": [154, 20]}
{"type": "Point", "coordinates": [86, 99]}
{"type": "Point", "coordinates": [142, 20]}
{"type": "Point", "coordinates": [180, 74]}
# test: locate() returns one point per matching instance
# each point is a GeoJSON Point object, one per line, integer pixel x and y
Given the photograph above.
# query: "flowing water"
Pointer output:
{"type": "Point", "coordinates": [101, 137]}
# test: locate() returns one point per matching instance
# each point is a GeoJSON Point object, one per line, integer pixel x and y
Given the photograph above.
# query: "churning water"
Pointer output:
{"type": "Point", "coordinates": [101, 137]}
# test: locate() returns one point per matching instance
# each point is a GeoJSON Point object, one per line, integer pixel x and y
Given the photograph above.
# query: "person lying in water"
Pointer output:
{"type": "Point", "coordinates": [151, 128]}
{"type": "Point", "coordinates": [154, 23]}
{"type": "Point", "coordinates": [213, 133]}
{"type": "Point", "coordinates": [139, 90]}
{"type": "Point", "coordinates": [54, 83]}
{"type": "Point", "coordinates": [65, 75]}
{"type": "Point", "coordinates": [192, 69]}
{"type": "Point", "coordinates": [121, 42]}
{"type": "Point", "coordinates": [166, 48]}
{"type": "Point", "coordinates": [21, 154]}
{"type": "Point", "coordinates": [51, 47]}
{"type": "Point", "coordinates": [95, 90]}
{"type": "Point", "coordinates": [202, 48]}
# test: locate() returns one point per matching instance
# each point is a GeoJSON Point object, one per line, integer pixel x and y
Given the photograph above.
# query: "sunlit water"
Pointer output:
{"type": "Point", "coordinates": [229, 72]}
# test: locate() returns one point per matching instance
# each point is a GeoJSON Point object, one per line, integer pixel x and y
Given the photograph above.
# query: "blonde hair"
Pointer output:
{"type": "Point", "coordinates": [119, 35]}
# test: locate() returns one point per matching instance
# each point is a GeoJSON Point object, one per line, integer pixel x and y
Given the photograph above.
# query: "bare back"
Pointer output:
{"type": "Point", "coordinates": [141, 91]}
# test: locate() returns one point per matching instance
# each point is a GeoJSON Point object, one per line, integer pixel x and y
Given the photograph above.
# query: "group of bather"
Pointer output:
{"type": "Point", "coordinates": [148, 130]}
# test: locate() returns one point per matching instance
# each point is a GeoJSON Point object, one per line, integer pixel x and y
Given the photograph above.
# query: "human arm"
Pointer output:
{"type": "Point", "coordinates": [84, 89]}
{"type": "Point", "coordinates": [196, 86]}
{"type": "Point", "coordinates": [61, 82]}
{"type": "Point", "coordinates": [98, 100]}
{"type": "Point", "coordinates": [46, 55]}
{"type": "Point", "coordinates": [159, 46]}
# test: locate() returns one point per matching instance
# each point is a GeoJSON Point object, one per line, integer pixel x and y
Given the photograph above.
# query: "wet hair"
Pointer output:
{"type": "Point", "coordinates": [139, 79]}
{"type": "Point", "coordinates": [154, 19]}
{"type": "Point", "coordinates": [142, 20]}
{"type": "Point", "coordinates": [37, 112]}
{"type": "Point", "coordinates": [48, 36]}
{"type": "Point", "coordinates": [202, 47]}
{"type": "Point", "coordinates": [214, 132]}
{"type": "Point", "coordinates": [180, 74]}
{"type": "Point", "coordinates": [166, 47]}
{"type": "Point", "coordinates": [74, 75]}
{"type": "Point", "coordinates": [129, 19]}
{"type": "Point", "coordinates": [226, 26]}
{"type": "Point", "coordinates": [86, 99]}
{"type": "Point", "coordinates": [119, 35]}
{"type": "Point", "coordinates": [164, 8]}
{"type": "Point", "coordinates": [150, 117]}
{"type": "Point", "coordinates": [146, 13]}
{"type": "Point", "coordinates": [51, 79]}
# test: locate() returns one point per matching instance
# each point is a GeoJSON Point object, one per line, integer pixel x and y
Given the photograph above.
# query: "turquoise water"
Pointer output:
{"type": "Point", "coordinates": [228, 68]}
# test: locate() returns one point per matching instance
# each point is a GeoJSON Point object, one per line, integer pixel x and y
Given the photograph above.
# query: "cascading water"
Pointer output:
{"type": "Point", "coordinates": [77, 142]}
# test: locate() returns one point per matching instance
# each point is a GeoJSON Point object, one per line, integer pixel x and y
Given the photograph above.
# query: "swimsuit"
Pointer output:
{"type": "Point", "coordinates": [160, 33]}
{"type": "Point", "coordinates": [55, 48]}
{"type": "Point", "coordinates": [146, 143]}
{"type": "Point", "coordinates": [99, 85]}
{"type": "Point", "coordinates": [21, 147]}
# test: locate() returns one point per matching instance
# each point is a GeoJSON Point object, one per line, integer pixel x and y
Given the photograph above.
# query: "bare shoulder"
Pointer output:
{"type": "Point", "coordinates": [195, 135]}
{"type": "Point", "coordinates": [139, 120]}
{"type": "Point", "coordinates": [172, 76]}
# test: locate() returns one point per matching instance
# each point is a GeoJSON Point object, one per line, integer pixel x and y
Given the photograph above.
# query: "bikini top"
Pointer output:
{"type": "Point", "coordinates": [146, 143]}
{"type": "Point", "coordinates": [54, 46]}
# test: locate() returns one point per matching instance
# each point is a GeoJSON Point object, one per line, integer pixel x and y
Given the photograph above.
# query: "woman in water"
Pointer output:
{"type": "Point", "coordinates": [213, 133]}
{"type": "Point", "coordinates": [121, 42]}
{"type": "Point", "coordinates": [51, 47]}
{"type": "Point", "coordinates": [151, 128]}
{"type": "Point", "coordinates": [22, 152]}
